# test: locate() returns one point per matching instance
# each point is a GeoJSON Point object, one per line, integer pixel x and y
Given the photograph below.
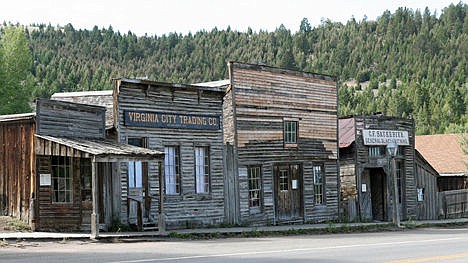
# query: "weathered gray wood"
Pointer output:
{"type": "Point", "coordinates": [66, 119]}
{"type": "Point", "coordinates": [255, 106]}
{"type": "Point", "coordinates": [95, 200]}
{"type": "Point", "coordinates": [188, 209]}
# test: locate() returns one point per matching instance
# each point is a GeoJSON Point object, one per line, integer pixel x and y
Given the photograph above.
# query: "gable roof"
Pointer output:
{"type": "Point", "coordinates": [444, 153]}
{"type": "Point", "coordinates": [346, 132]}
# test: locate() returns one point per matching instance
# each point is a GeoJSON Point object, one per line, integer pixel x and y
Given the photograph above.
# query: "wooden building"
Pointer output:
{"type": "Point", "coordinates": [366, 181]}
{"type": "Point", "coordinates": [17, 164]}
{"type": "Point", "coordinates": [65, 168]}
{"type": "Point", "coordinates": [426, 189]}
{"type": "Point", "coordinates": [184, 122]}
{"type": "Point", "coordinates": [280, 131]}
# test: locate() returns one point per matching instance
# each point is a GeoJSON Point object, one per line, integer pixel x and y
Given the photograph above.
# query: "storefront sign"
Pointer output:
{"type": "Point", "coordinates": [45, 180]}
{"type": "Point", "coordinates": [171, 120]}
{"type": "Point", "coordinates": [384, 137]}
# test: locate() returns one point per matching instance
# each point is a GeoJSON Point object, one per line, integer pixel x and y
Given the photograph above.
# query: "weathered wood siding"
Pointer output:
{"type": "Point", "coordinates": [188, 209]}
{"type": "Point", "coordinates": [17, 167]}
{"type": "Point", "coordinates": [262, 98]}
{"type": "Point", "coordinates": [57, 216]}
{"type": "Point", "coordinates": [66, 119]}
{"type": "Point", "coordinates": [363, 161]}
{"type": "Point", "coordinates": [426, 178]}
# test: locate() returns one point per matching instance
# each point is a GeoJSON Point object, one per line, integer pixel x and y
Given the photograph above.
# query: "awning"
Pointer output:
{"type": "Point", "coordinates": [101, 150]}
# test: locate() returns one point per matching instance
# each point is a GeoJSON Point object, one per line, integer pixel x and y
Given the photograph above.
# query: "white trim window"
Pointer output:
{"type": "Point", "coordinates": [135, 169]}
{"type": "Point", "coordinates": [202, 170]}
{"type": "Point", "coordinates": [290, 132]}
{"type": "Point", "coordinates": [172, 170]}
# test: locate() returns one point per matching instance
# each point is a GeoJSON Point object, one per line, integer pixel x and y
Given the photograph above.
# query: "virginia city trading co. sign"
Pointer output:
{"type": "Point", "coordinates": [384, 137]}
{"type": "Point", "coordinates": [171, 120]}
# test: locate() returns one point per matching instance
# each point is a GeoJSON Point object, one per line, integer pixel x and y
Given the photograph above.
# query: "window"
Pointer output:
{"type": "Point", "coordinates": [135, 169]}
{"type": "Point", "coordinates": [172, 170]}
{"type": "Point", "coordinates": [202, 169]}
{"type": "Point", "coordinates": [377, 151]}
{"type": "Point", "coordinates": [255, 186]}
{"type": "Point", "coordinates": [290, 132]}
{"type": "Point", "coordinates": [62, 180]}
{"type": "Point", "coordinates": [318, 184]}
{"type": "Point", "coordinates": [283, 180]}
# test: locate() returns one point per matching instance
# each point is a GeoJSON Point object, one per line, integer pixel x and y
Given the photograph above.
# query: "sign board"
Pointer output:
{"type": "Point", "coordinates": [384, 137]}
{"type": "Point", "coordinates": [242, 171]}
{"type": "Point", "coordinates": [45, 180]}
{"type": "Point", "coordinates": [294, 184]}
{"type": "Point", "coordinates": [171, 120]}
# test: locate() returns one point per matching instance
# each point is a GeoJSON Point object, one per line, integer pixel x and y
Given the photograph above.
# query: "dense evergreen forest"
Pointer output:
{"type": "Point", "coordinates": [406, 63]}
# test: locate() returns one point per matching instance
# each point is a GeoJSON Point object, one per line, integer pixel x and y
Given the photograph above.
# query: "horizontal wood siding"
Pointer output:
{"type": "Point", "coordinates": [66, 119]}
{"type": "Point", "coordinates": [188, 209]}
{"type": "Point", "coordinates": [17, 167]}
{"type": "Point", "coordinates": [58, 216]}
{"type": "Point", "coordinates": [426, 178]}
{"type": "Point", "coordinates": [264, 97]}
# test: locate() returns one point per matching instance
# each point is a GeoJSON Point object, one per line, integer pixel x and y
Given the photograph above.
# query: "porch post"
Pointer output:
{"type": "Point", "coordinates": [95, 214]}
{"type": "Point", "coordinates": [161, 219]}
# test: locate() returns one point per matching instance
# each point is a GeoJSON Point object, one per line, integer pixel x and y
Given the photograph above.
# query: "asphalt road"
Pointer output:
{"type": "Point", "coordinates": [421, 245]}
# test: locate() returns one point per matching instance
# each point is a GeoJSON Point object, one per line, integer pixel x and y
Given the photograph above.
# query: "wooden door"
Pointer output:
{"type": "Point", "coordinates": [377, 179]}
{"type": "Point", "coordinates": [288, 192]}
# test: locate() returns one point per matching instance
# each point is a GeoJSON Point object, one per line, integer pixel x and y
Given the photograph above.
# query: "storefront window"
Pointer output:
{"type": "Point", "coordinates": [318, 184]}
{"type": "Point", "coordinates": [135, 169]}
{"type": "Point", "coordinates": [255, 186]}
{"type": "Point", "coordinates": [62, 179]}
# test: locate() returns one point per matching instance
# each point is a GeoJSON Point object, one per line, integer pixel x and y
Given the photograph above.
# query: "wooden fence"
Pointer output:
{"type": "Point", "coordinates": [454, 203]}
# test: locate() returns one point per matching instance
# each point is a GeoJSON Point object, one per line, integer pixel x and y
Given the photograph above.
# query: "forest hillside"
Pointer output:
{"type": "Point", "coordinates": [407, 63]}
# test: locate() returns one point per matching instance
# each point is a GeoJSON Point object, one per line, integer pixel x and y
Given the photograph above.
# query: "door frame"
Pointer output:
{"type": "Point", "coordinates": [300, 213]}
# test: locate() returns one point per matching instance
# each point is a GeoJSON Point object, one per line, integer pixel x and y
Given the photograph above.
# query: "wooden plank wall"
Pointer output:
{"type": "Point", "coordinates": [363, 161]}
{"type": "Point", "coordinates": [188, 209]}
{"type": "Point", "coordinates": [66, 119]}
{"type": "Point", "coordinates": [426, 178]}
{"type": "Point", "coordinates": [17, 167]}
{"type": "Point", "coordinates": [263, 97]}
{"type": "Point", "coordinates": [58, 216]}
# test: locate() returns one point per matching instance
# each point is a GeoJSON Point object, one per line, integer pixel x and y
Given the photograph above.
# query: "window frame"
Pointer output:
{"type": "Point", "coordinates": [63, 163]}
{"type": "Point", "coordinates": [319, 187]}
{"type": "Point", "coordinates": [376, 151]}
{"type": "Point", "coordinates": [176, 164]}
{"type": "Point", "coordinates": [206, 169]}
{"type": "Point", "coordinates": [137, 166]}
{"type": "Point", "coordinates": [255, 179]}
{"type": "Point", "coordinates": [290, 135]}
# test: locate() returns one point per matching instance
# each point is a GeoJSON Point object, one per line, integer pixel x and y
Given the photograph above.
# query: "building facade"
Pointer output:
{"type": "Point", "coordinates": [365, 170]}
{"type": "Point", "coordinates": [280, 131]}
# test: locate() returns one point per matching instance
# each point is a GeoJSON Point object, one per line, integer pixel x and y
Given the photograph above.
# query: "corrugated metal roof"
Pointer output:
{"type": "Point", "coordinates": [346, 132]}
{"type": "Point", "coordinates": [104, 148]}
{"type": "Point", "coordinates": [17, 117]}
{"type": "Point", "coordinates": [444, 153]}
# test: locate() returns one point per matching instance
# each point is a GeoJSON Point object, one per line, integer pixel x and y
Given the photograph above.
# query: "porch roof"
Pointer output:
{"type": "Point", "coordinates": [101, 150]}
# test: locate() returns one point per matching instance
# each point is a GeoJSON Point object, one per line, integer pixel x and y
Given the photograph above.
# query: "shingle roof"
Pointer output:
{"type": "Point", "coordinates": [346, 132]}
{"type": "Point", "coordinates": [444, 153]}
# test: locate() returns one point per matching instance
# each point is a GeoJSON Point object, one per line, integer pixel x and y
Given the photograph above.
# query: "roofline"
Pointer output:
{"type": "Point", "coordinates": [373, 115]}
{"type": "Point", "coordinates": [461, 174]}
{"type": "Point", "coordinates": [285, 70]}
{"type": "Point", "coordinates": [67, 103]}
{"type": "Point", "coordinates": [82, 93]}
{"type": "Point", "coordinates": [170, 85]}
{"type": "Point", "coordinates": [18, 117]}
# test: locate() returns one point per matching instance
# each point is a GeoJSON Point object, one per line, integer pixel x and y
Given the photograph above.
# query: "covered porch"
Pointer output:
{"type": "Point", "coordinates": [78, 183]}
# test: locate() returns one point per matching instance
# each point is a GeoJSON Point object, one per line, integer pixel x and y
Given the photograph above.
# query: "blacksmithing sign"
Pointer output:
{"type": "Point", "coordinates": [171, 120]}
{"type": "Point", "coordinates": [384, 137]}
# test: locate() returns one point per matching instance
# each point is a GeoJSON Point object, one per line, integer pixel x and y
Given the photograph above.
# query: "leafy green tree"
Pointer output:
{"type": "Point", "coordinates": [16, 81]}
